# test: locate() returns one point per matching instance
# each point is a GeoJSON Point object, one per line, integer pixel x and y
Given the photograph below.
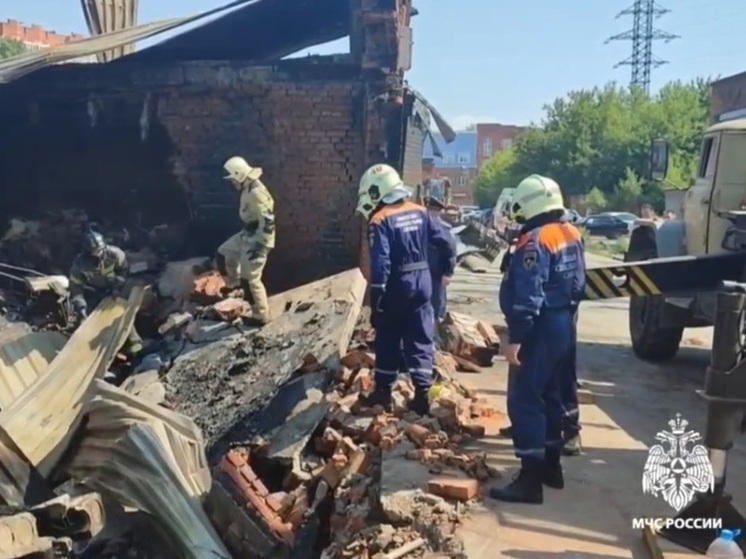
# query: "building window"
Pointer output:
{"type": "Point", "coordinates": [487, 147]}
{"type": "Point", "coordinates": [464, 159]}
{"type": "Point", "coordinates": [448, 159]}
{"type": "Point", "coordinates": [507, 143]}
{"type": "Point", "coordinates": [461, 180]}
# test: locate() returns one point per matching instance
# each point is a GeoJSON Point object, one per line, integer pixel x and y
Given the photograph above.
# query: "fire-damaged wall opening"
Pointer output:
{"type": "Point", "coordinates": [102, 155]}
{"type": "Point", "coordinates": [137, 144]}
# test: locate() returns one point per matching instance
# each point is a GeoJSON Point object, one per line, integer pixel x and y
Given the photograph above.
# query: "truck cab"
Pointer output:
{"type": "Point", "coordinates": [711, 208]}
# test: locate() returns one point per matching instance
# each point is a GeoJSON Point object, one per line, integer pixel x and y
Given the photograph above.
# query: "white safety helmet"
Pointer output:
{"type": "Point", "coordinates": [239, 171]}
{"type": "Point", "coordinates": [535, 195]}
{"type": "Point", "coordinates": [380, 184]}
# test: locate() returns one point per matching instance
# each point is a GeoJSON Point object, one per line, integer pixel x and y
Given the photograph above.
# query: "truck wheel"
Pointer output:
{"type": "Point", "coordinates": [651, 340]}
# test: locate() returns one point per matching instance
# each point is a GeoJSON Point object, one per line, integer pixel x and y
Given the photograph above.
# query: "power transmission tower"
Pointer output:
{"type": "Point", "coordinates": [642, 35]}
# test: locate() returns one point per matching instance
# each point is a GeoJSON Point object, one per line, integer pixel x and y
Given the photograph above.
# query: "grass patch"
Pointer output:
{"type": "Point", "coordinates": [615, 248]}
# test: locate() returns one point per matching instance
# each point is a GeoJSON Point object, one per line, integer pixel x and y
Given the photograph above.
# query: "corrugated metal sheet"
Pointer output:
{"type": "Point", "coordinates": [128, 447]}
{"type": "Point", "coordinates": [45, 417]}
{"type": "Point", "coordinates": [23, 360]}
{"type": "Point", "coordinates": [106, 16]}
{"type": "Point", "coordinates": [18, 66]}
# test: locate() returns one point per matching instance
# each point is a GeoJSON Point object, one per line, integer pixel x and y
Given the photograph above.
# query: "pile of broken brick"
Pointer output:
{"type": "Point", "coordinates": [368, 518]}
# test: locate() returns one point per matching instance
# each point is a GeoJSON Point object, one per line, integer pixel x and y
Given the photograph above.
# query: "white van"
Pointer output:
{"type": "Point", "coordinates": [501, 213]}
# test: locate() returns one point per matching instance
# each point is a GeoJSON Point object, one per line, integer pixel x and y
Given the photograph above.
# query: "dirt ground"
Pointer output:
{"type": "Point", "coordinates": [632, 400]}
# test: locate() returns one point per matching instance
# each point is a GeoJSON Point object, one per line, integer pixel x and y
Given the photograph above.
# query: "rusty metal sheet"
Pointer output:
{"type": "Point", "coordinates": [23, 360]}
{"type": "Point", "coordinates": [44, 418]}
{"type": "Point", "coordinates": [129, 447]}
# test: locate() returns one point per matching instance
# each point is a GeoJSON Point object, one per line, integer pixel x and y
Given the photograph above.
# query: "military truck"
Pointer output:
{"type": "Point", "coordinates": [713, 224]}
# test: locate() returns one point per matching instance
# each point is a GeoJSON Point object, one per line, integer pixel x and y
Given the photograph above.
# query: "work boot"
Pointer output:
{"type": "Point", "coordinates": [526, 487]}
{"type": "Point", "coordinates": [572, 446]}
{"type": "Point", "coordinates": [506, 432]}
{"type": "Point", "coordinates": [552, 473]}
{"type": "Point", "coordinates": [379, 397]}
{"type": "Point", "coordinates": [420, 404]}
{"type": "Point", "coordinates": [254, 321]}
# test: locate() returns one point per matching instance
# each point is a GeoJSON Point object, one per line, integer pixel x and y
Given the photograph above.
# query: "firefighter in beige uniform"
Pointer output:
{"type": "Point", "coordinates": [246, 252]}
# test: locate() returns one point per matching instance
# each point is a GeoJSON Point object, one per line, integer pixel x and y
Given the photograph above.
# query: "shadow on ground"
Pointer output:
{"type": "Point", "coordinates": [593, 516]}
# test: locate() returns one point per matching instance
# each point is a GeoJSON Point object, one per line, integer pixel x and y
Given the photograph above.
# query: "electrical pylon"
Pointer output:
{"type": "Point", "coordinates": [642, 35]}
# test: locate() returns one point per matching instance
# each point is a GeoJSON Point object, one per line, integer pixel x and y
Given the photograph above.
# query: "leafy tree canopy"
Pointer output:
{"type": "Point", "coordinates": [597, 143]}
{"type": "Point", "coordinates": [9, 47]}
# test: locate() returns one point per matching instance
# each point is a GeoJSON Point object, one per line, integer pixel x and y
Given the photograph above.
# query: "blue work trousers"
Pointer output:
{"type": "Point", "coordinates": [569, 389]}
{"type": "Point", "coordinates": [439, 296]}
{"type": "Point", "coordinates": [405, 329]}
{"type": "Point", "coordinates": [535, 395]}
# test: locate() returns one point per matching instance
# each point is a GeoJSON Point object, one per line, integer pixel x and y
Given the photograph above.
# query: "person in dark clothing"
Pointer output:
{"type": "Point", "coordinates": [439, 266]}
{"type": "Point", "coordinates": [99, 270]}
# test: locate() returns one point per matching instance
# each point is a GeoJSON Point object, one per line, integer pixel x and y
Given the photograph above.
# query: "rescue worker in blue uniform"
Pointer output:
{"type": "Point", "coordinates": [571, 440]}
{"type": "Point", "coordinates": [400, 234]}
{"type": "Point", "coordinates": [539, 296]}
{"type": "Point", "coordinates": [438, 266]}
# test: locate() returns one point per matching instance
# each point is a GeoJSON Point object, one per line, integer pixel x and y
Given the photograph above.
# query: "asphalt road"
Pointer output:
{"type": "Point", "coordinates": [633, 400]}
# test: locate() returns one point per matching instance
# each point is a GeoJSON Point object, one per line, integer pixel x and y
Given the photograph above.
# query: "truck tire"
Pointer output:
{"type": "Point", "coordinates": [652, 338]}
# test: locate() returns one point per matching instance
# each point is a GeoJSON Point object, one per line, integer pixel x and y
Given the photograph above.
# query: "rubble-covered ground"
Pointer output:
{"type": "Point", "coordinates": [299, 468]}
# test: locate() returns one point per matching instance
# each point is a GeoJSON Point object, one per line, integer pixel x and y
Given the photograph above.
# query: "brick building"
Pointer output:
{"type": "Point", "coordinates": [145, 138]}
{"type": "Point", "coordinates": [492, 138]}
{"type": "Point", "coordinates": [456, 161]}
{"type": "Point", "coordinates": [34, 37]}
{"type": "Point", "coordinates": [729, 98]}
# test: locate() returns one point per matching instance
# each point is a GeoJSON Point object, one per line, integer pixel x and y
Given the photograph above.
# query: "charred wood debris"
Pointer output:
{"type": "Point", "coordinates": [299, 468]}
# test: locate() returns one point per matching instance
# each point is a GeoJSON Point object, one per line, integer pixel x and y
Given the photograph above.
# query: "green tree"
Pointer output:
{"type": "Point", "coordinates": [628, 192]}
{"type": "Point", "coordinates": [601, 138]}
{"type": "Point", "coordinates": [9, 48]}
{"type": "Point", "coordinates": [596, 200]}
{"type": "Point", "coordinates": [498, 173]}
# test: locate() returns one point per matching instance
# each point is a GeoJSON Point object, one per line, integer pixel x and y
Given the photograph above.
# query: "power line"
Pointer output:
{"type": "Point", "coordinates": [642, 35]}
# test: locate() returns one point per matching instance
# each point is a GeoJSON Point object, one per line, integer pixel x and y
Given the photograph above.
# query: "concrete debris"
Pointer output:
{"type": "Point", "coordinates": [37, 529]}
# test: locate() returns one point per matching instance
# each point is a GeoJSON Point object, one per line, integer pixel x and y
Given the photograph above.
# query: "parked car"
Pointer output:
{"type": "Point", "coordinates": [573, 216]}
{"type": "Point", "coordinates": [627, 217]}
{"type": "Point", "coordinates": [605, 225]}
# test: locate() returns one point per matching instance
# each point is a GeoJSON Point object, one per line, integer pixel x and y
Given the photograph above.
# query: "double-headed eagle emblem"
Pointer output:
{"type": "Point", "coordinates": [678, 468]}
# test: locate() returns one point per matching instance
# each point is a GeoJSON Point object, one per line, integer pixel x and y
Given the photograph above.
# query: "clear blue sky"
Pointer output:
{"type": "Point", "coordinates": [500, 61]}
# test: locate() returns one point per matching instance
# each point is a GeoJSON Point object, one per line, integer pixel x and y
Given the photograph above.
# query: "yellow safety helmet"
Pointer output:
{"type": "Point", "coordinates": [380, 184]}
{"type": "Point", "coordinates": [535, 195]}
{"type": "Point", "coordinates": [239, 170]}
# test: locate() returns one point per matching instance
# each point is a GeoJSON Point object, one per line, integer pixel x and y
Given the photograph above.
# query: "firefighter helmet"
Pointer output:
{"type": "Point", "coordinates": [239, 171]}
{"type": "Point", "coordinates": [535, 195]}
{"type": "Point", "coordinates": [381, 184]}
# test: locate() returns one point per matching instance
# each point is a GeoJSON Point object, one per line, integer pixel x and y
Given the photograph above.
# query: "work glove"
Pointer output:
{"type": "Point", "coordinates": [376, 306]}
{"type": "Point", "coordinates": [80, 307]}
{"type": "Point", "coordinates": [117, 287]}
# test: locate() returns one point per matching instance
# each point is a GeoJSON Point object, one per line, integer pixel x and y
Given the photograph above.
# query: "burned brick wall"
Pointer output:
{"type": "Point", "coordinates": [143, 144]}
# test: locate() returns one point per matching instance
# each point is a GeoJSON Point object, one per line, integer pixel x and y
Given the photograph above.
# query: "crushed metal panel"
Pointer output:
{"type": "Point", "coordinates": [446, 130]}
{"type": "Point", "coordinates": [150, 458]}
{"type": "Point", "coordinates": [44, 419]}
{"type": "Point", "coordinates": [23, 360]}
